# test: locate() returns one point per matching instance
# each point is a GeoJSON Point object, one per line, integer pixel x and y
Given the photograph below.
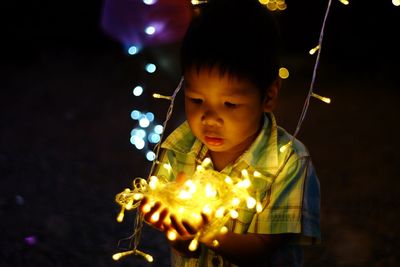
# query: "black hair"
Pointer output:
{"type": "Point", "coordinates": [240, 37]}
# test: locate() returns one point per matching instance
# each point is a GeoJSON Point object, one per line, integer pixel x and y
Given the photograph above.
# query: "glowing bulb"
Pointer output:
{"type": "Point", "coordinates": [158, 129]}
{"type": "Point", "coordinates": [162, 96]}
{"type": "Point", "coordinates": [138, 90]}
{"type": "Point", "coordinates": [223, 230]}
{"type": "Point", "coordinates": [259, 207]}
{"type": "Point", "coordinates": [235, 201]}
{"type": "Point", "coordinates": [150, 116]}
{"type": "Point", "coordinates": [284, 73]}
{"type": "Point", "coordinates": [146, 208]}
{"type": "Point", "coordinates": [199, 168]}
{"type": "Point", "coordinates": [139, 143]}
{"type": "Point", "coordinates": [133, 50]}
{"type": "Point", "coordinates": [193, 245]}
{"type": "Point", "coordinates": [210, 191]}
{"type": "Point", "coordinates": [149, 2]}
{"type": "Point", "coordinates": [234, 214]}
{"type": "Point", "coordinates": [150, 30]}
{"type": "Point", "coordinates": [396, 2]}
{"type": "Point", "coordinates": [263, 2]}
{"type": "Point", "coordinates": [155, 217]}
{"type": "Point", "coordinates": [154, 138]}
{"type": "Point", "coordinates": [322, 98]}
{"type": "Point", "coordinates": [171, 235]}
{"type": "Point", "coordinates": [136, 114]}
{"type": "Point", "coordinates": [137, 196]}
{"type": "Point", "coordinates": [284, 147]}
{"type": "Point", "coordinates": [245, 173]}
{"type": "Point", "coordinates": [207, 210]}
{"type": "Point", "coordinates": [251, 202]}
{"type": "Point", "coordinates": [144, 122]}
{"type": "Point", "coordinates": [220, 212]}
{"type": "Point", "coordinates": [167, 166]}
{"type": "Point", "coordinates": [183, 194]}
{"type": "Point", "coordinates": [314, 50]}
{"type": "Point", "coordinates": [150, 156]}
{"type": "Point", "coordinates": [215, 243]}
{"type": "Point", "coordinates": [120, 217]}
{"type": "Point", "coordinates": [257, 174]}
{"type": "Point", "coordinates": [344, 2]}
{"type": "Point", "coordinates": [228, 180]}
{"type": "Point", "coordinates": [150, 68]}
{"type": "Point", "coordinates": [153, 182]}
{"type": "Point", "coordinates": [206, 162]}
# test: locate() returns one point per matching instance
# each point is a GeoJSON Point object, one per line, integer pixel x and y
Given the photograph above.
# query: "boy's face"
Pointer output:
{"type": "Point", "coordinates": [225, 113]}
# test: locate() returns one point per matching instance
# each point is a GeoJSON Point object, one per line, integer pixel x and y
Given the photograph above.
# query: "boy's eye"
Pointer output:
{"type": "Point", "coordinates": [230, 105]}
{"type": "Point", "coordinates": [196, 100]}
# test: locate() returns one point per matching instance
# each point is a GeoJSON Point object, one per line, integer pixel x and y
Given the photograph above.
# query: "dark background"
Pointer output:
{"type": "Point", "coordinates": [65, 125]}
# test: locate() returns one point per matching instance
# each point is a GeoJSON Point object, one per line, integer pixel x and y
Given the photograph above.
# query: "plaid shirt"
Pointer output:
{"type": "Point", "coordinates": [288, 188]}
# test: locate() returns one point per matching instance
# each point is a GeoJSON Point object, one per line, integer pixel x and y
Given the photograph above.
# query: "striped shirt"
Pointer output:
{"type": "Point", "coordinates": [286, 184]}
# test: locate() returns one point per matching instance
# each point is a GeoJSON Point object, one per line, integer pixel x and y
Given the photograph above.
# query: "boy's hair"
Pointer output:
{"type": "Point", "coordinates": [240, 37]}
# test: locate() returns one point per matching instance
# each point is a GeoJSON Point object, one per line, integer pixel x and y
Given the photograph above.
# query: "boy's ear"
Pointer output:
{"type": "Point", "coordinates": [271, 95]}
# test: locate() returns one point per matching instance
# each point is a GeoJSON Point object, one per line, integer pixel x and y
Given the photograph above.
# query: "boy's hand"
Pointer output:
{"type": "Point", "coordinates": [155, 214]}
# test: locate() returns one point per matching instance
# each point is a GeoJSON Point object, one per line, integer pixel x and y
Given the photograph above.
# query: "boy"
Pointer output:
{"type": "Point", "coordinates": [230, 64]}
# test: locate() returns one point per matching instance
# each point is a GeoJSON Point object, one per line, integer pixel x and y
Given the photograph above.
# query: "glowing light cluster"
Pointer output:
{"type": "Point", "coordinates": [396, 2]}
{"type": "Point", "coordinates": [274, 5]}
{"type": "Point", "coordinates": [207, 191]}
{"type": "Point", "coordinates": [147, 132]}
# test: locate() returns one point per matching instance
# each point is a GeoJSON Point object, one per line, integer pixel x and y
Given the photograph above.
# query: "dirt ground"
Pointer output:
{"type": "Point", "coordinates": [65, 153]}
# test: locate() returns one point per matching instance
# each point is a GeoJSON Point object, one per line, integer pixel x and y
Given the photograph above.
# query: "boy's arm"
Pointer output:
{"type": "Point", "coordinates": [242, 249]}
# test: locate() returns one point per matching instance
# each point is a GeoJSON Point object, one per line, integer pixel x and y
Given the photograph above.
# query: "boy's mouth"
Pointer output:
{"type": "Point", "coordinates": [214, 141]}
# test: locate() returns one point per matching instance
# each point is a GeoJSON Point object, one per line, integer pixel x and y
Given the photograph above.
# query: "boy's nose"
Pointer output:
{"type": "Point", "coordinates": [211, 118]}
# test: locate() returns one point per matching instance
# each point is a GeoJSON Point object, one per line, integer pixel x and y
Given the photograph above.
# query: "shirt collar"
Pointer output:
{"type": "Point", "coordinates": [262, 154]}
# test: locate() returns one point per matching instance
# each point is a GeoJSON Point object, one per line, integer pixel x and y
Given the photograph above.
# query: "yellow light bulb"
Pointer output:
{"type": "Point", "coordinates": [155, 217]}
{"type": "Point", "coordinates": [284, 147]}
{"type": "Point", "coordinates": [234, 214]}
{"type": "Point", "coordinates": [193, 245]}
{"type": "Point", "coordinates": [251, 202]}
{"type": "Point", "coordinates": [228, 180]}
{"type": "Point", "coordinates": [396, 2]}
{"type": "Point", "coordinates": [322, 98]}
{"type": "Point", "coordinates": [146, 208]}
{"type": "Point", "coordinates": [235, 201]}
{"type": "Point", "coordinates": [314, 50]}
{"type": "Point", "coordinates": [171, 235]}
{"type": "Point", "coordinates": [220, 212]}
{"type": "Point", "coordinates": [344, 2]}
{"type": "Point", "coordinates": [162, 96]}
{"type": "Point", "coordinates": [215, 243]}
{"type": "Point", "coordinates": [284, 73]}
{"type": "Point", "coordinates": [120, 217]}
{"type": "Point", "coordinates": [223, 230]}
{"type": "Point", "coordinates": [259, 207]}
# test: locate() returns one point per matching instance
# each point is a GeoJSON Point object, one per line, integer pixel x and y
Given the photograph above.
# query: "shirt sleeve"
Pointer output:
{"type": "Point", "coordinates": [291, 203]}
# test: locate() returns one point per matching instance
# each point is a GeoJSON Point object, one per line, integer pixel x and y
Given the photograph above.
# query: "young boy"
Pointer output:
{"type": "Point", "coordinates": [230, 65]}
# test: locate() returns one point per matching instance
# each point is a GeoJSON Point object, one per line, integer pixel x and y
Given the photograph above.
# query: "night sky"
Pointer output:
{"type": "Point", "coordinates": [65, 126]}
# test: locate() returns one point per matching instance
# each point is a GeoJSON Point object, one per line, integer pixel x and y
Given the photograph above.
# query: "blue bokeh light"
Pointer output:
{"type": "Point", "coordinates": [138, 90]}
{"type": "Point", "coordinates": [150, 68]}
{"type": "Point", "coordinates": [150, 155]}
{"type": "Point", "coordinates": [136, 114]}
{"type": "Point", "coordinates": [158, 129]}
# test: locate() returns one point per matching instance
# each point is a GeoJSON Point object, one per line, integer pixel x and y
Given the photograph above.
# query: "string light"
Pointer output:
{"type": "Point", "coordinates": [314, 50]}
{"type": "Point", "coordinates": [344, 2]}
{"type": "Point", "coordinates": [138, 90]}
{"type": "Point", "coordinates": [150, 30]}
{"type": "Point", "coordinates": [150, 68]}
{"type": "Point", "coordinates": [396, 2]}
{"type": "Point", "coordinates": [207, 191]}
{"type": "Point", "coordinates": [155, 95]}
{"type": "Point", "coordinates": [133, 50]}
{"type": "Point", "coordinates": [322, 98]}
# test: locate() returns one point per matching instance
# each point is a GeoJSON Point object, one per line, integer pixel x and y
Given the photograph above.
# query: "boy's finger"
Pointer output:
{"type": "Point", "coordinates": [150, 213]}
{"type": "Point", "coordinates": [160, 223]}
{"type": "Point", "coordinates": [189, 228]}
{"type": "Point", "coordinates": [179, 228]}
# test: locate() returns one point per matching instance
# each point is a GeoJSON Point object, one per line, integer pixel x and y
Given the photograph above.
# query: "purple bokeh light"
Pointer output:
{"type": "Point", "coordinates": [126, 21]}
